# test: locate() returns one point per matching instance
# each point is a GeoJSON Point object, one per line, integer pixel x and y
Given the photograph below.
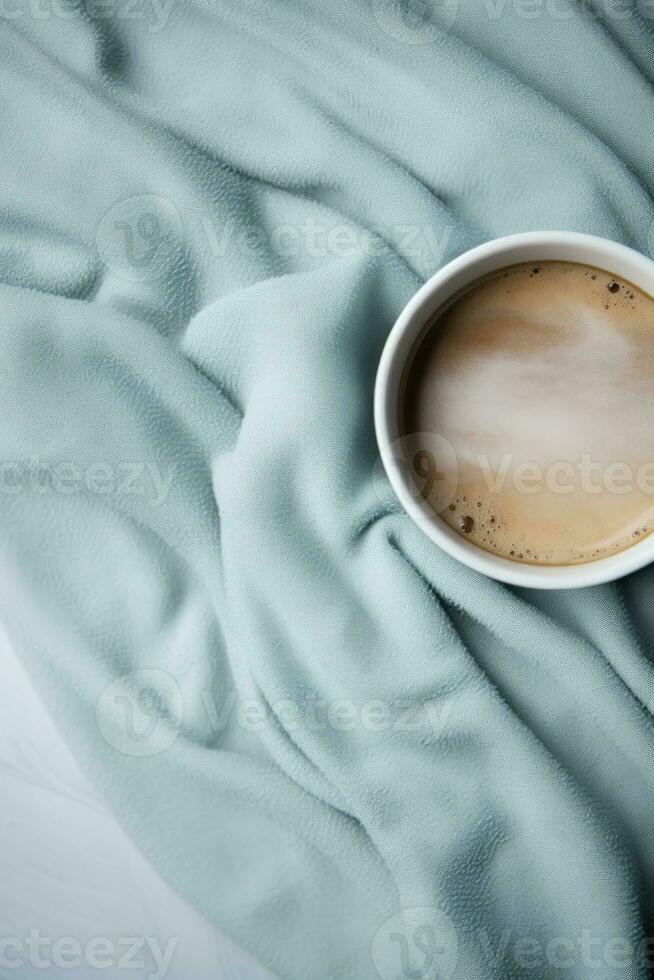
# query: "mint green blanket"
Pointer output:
{"type": "Point", "coordinates": [306, 716]}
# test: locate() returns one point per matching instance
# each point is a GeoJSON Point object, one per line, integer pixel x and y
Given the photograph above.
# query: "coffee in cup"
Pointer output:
{"type": "Point", "coordinates": [540, 376]}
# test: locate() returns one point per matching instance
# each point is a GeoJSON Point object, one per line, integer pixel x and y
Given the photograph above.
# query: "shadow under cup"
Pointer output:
{"type": "Point", "coordinates": [430, 468]}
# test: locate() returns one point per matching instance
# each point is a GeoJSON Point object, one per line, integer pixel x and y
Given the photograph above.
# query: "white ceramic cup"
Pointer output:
{"type": "Point", "coordinates": [534, 247]}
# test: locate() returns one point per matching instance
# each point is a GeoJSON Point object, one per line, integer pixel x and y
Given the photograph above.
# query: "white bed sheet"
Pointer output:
{"type": "Point", "coordinates": [68, 872]}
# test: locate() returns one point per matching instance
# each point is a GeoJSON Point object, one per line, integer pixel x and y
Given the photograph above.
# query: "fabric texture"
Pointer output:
{"type": "Point", "coordinates": [353, 755]}
{"type": "Point", "coordinates": [69, 871]}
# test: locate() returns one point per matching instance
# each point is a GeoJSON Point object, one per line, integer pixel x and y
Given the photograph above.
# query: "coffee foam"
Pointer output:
{"type": "Point", "coordinates": [547, 367]}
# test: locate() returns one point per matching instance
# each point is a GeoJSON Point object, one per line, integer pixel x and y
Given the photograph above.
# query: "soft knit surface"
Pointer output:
{"type": "Point", "coordinates": [68, 870]}
{"type": "Point", "coordinates": [308, 718]}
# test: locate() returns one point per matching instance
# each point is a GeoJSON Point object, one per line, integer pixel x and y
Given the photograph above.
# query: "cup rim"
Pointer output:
{"type": "Point", "coordinates": [610, 256]}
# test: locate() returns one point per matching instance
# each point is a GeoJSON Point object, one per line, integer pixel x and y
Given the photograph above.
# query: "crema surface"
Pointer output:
{"type": "Point", "coordinates": [541, 378]}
